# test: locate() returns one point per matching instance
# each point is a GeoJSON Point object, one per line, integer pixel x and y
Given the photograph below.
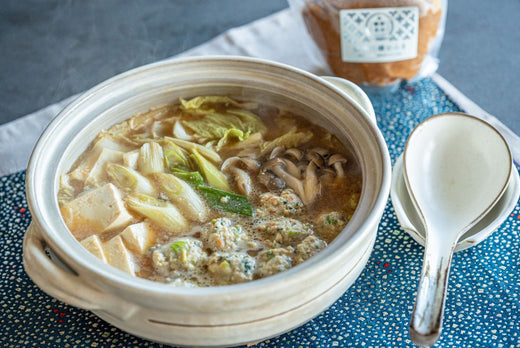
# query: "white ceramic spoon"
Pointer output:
{"type": "Point", "coordinates": [411, 222]}
{"type": "Point", "coordinates": [456, 168]}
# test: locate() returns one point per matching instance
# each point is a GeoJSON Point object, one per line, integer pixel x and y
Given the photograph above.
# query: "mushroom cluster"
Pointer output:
{"type": "Point", "coordinates": [304, 171]}
{"type": "Point", "coordinates": [241, 169]}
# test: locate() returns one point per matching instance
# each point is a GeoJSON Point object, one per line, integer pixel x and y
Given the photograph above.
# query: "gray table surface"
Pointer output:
{"type": "Point", "coordinates": [52, 49]}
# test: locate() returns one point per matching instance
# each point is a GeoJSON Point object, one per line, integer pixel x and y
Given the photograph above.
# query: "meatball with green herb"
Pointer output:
{"type": "Point", "coordinates": [309, 247]}
{"type": "Point", "coordinates": [272, 261]}
{"type": "Point", "coordinates": [221, 234]}
{"type": "Point", "coordinates": [330, 224]}
{"type": "Point", "coordinates": [231, 268]}
{"type": "Point", "coordinates": [183, 254]}
{"type": "Point", "coordinates": [287, 203]}
{"type": "Point", "coordinates": [286, 231]}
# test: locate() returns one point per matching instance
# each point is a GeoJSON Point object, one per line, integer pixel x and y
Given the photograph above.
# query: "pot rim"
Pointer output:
{"type": "Point", "coordinates": [118, 278]}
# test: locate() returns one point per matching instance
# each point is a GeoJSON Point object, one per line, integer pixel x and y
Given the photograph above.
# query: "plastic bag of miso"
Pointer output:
{"type": "Point", "coordinates": [375, 42]}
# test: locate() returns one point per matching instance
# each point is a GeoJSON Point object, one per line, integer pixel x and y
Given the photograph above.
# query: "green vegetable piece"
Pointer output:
{"type": "Point", "coordinates": [224, 264]}
{"type": "Point", "coordinates": [174, 155]}
{"type": "Point", "coordinates": [227, 201]}
{"type": "Point", "coordinates": [222, 125]}
{"type": "Point", "coordinates": [247, 264]}
{"type": "Point", "coordinates": [331, 220]}
{"type": "Point", "coordinates": [151, 159]}
{"type": "Point", "coordinates": [183, 195]}
{"type": "Point", "coordinates": [198, 102]}
{"type": "Point", "coordinates": [253, 122]}
{"type": "Point", "coordinates": [229, 134]}
{"type": "Point", "coordinates": [193, 178]}
{"type": "Point", "coordinates": [213, 125]}
{"type": "Point", "coordinates": [173, 159]}
{"type": "Point", "coordinates": [191, 146]}
{"type": "Point", "coordinates": [293, 233]}
{"type": "Point", "coordinates": [130, 178]}
{"type": "Point", "coordinates": [163, 214]}
{"type": "Point", "coordinates": [290, 139]}
{"type": "Point", "coordinates": [178, 245]}
{"type": "Point", "coordinates": [214, 177]}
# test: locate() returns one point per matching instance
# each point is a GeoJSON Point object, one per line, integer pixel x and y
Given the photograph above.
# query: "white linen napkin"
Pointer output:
{"type": "Point", "coordinates": [277, 37]}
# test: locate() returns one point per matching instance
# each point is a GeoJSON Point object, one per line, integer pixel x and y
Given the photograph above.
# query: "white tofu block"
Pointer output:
{"type": "Point", "coordinates": [98, 211]}
{"type": "Point", "coordinates": [66, 191]}
{"type": "Point", "coordinates": [93, 244]}
{"type": "Point", "coordinates": [139, 237]}
{"type": "Point", "coordinates": [97, 174]}
{"type": "Point", "coordinates": [118, 255]}
{"type": "Point", "coordinates": [88, 159]}
{"type": "Point", "coordinates": [130, 159]}
{"type": "Point", "coordinates": [93, 162]}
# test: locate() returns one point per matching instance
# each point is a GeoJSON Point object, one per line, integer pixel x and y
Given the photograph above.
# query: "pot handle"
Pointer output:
{"type": "Point", "coordinates": [355, 93]}
{"type": "Point", "coordinates": [62, 283]}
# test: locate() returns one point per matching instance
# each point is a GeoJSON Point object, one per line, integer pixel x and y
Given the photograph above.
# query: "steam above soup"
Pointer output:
{"type": "Point", "coordinates": [210, 191]}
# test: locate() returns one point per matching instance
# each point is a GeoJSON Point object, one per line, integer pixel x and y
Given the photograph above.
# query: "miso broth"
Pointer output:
{"type": "Point", "coordinates": [210, 191]}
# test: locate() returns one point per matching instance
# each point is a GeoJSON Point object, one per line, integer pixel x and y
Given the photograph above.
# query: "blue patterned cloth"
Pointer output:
{"type": "Point", "coordinates": [482, 308]}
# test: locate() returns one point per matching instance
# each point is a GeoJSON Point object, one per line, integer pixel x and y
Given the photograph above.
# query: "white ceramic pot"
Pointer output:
{"type": "Point", "coordinates": [213, 316]}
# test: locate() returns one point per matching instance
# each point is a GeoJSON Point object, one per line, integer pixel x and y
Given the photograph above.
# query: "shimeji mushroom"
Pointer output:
{"type": "Point", "coordinates": [315, 157]}
{"type": "Point", "coordinates": [306, 188]}
{"type": "Point", "coordinates": [240, 169]}
{"type": "Point", "coordinates": [336, 161]}
{"type": "Point", "coordinates": [276, 152]}
{"type": "Point", "coordinates": [297, 154]}
{"type": "Point", "coordinates": [311, 184]}
{"type": "Point", "coordinates": [321, 151]}
{"type": "Point", "coordinates": [270, 180]}
{"type": "Point", "coordinates": [293, 169]}
{"type": "Point", "coordinates": [303, 171]}
{"type": "Point", "coordinates": [327, 174]}
{"type": "Point", "coordinates": [243, 181]}
{"type": "Point", "coordinates": [246, 163]}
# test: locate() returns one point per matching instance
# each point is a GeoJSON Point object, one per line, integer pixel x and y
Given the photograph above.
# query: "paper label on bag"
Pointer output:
{"type": "Point", "coordinates": [374, 35]}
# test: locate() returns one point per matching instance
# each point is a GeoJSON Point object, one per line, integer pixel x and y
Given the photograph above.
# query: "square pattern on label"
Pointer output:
{"type": "Point", "coordinates": [374, 35]}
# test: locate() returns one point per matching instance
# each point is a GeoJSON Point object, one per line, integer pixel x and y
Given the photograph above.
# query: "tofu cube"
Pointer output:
{"type": "Point", "coordinates": [139, 237]}
{"type": "Point", "coordinates": [118, 255]}
{"type": "Point", "coordinates": [98, 211]}
{"type": "Point", "coordinates": [94, 155]}
{"type": "Point", "coordinates": [97, 174]}
{"type": "Point", "coordinates": [130, 159]}
{"type": "Point", "coordinates": [93, 244]}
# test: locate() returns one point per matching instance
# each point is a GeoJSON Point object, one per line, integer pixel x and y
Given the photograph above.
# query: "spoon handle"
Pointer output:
{"type": "Point", "coordinates": [426, 322]}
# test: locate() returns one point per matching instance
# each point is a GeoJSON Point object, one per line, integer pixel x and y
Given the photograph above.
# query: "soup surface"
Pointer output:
{"type": "Point", "coordinates": [210, 191]}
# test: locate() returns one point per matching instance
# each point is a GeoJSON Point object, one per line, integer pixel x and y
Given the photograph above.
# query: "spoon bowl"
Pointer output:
{"type": "Point", "coordinates": [456, 168]}
{"type": "Point", "coordinates": [411, 222]}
